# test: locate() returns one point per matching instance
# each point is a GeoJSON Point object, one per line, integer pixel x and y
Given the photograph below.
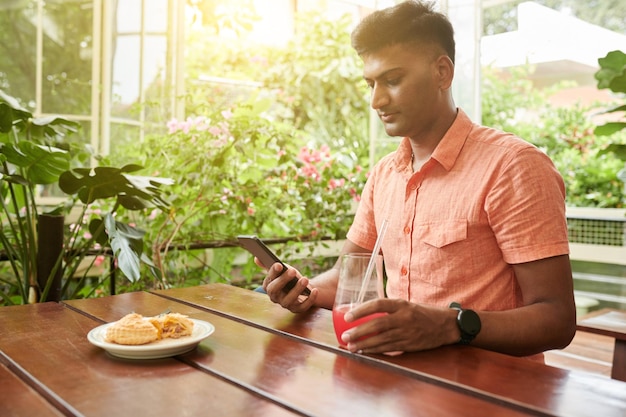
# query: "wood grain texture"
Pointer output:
{"type": "Point", "coordinates": [612, 323]}
{"type": "Point", "coordinates": [19, 399]}
{"type": "Point", "coordinates": [303, 377]}
{"type": "Point", "coordinates": [265, 361]}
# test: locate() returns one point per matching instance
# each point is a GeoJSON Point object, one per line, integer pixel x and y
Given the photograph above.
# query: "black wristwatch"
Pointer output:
{"type": "Point", "coordinates": [468, 322]}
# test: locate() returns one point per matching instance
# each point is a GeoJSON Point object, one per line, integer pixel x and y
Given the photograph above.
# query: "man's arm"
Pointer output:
{"type": "Point", "coordinates": [546, 321]}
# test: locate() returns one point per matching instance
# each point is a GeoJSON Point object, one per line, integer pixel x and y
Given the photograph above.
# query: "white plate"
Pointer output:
{"type": "Point", "coordinates": [160, 349]}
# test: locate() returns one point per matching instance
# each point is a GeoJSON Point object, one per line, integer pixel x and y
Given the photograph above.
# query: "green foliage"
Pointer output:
{"type": "Point", "coordinates": [565, 134]}
{"type": "Point", "coordinates": [237, 171]}
{"type": "Point", "coordinates": [319, 82]}
{"type": "Point", "coordinates": [612, 75]}
{"type": "Point", "coordinates": [29, 159]}
{"type": "Point", "coordinates": [273, 146]}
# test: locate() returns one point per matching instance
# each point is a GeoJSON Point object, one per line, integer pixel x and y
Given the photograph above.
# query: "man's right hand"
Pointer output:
{"type": "Point", "coordinates": [293, 300]}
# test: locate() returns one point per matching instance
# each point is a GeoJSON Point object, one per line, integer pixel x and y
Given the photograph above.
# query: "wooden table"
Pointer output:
{"type": "Point", "coordinates": [264, 361]}
{"type": "Point", "coordinates": [609, 322]}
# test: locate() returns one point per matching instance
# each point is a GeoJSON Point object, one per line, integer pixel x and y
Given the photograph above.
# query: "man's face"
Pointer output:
{"type": "Point", "coordinates": [405, 88]}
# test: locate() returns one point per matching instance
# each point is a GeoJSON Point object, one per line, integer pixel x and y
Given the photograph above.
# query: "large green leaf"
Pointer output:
{"type": "Point", "coordinates": [618, 149]}
{"type": "Point", "coordinates": [127, 246]}
{"type": "Point", "coordinates": [11, 112]}
{"type": "Point", "coordinates": [132, 192]}
{"type": "Point", "coordinates": [52, 127]}
{"type": "Point", "coordinates": [612, 73]}
{"type": "Point", "coordinates": [40, 164]}
{"type": "Point", "coordinates": [608, 129]}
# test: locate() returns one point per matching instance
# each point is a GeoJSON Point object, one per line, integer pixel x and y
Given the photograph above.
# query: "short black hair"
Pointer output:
{"type": "Point", "coordinates": [407, 22]}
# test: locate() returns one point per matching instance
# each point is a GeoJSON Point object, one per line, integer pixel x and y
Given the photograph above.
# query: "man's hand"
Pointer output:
{"type": "Point", "coordinates": [293, 300]}
{"type": "Point", "coordinates": [406, 327]}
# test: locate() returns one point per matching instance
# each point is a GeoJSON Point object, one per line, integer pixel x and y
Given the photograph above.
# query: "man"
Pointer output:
{"type": "Point", "coordinates": [476, 216]}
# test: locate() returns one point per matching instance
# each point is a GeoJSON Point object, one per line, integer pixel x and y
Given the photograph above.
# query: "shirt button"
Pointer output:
{"type": "Point", "coordinates": [407, 230]}
{"type": "Point", "coordinates": [403, 271]}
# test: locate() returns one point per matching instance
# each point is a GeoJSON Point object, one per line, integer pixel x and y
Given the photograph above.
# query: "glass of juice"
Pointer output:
{"type": "Point", "coordinates": [351, 277]}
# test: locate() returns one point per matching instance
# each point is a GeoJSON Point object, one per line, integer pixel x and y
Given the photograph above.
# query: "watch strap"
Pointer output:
{"type": "Point", "coordinates": [468, 322]}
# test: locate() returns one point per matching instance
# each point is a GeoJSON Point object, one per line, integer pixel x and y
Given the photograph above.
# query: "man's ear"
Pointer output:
{"type": "Point", "coordinates": [445, 71]}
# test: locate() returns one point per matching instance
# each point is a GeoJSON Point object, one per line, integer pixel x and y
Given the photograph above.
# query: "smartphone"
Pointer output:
{"type": "Point", "coordinates": [255, 246]}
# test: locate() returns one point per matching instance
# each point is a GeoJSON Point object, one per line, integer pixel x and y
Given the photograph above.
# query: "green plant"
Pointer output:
{"type": "Point", "coordinates": [318, 81]}
{"type": "Point", "coordinates": [510, 102]}
{"type": "Point", "coordinates": [612, 76]}
{"type": "Point", "coordinates": [239, 171]}
{"type": "Point", "coordinates": [33, 153]}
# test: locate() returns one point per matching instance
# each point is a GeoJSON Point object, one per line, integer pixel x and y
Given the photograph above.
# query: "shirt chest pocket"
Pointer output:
{"type": "Point", "coordinates": [444, 257]}
{"type": "Point", "coordinates": [443, 233]}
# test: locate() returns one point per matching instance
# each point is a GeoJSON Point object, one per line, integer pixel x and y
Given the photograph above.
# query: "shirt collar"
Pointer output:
{"type": "Point", "coordinates": [448, 149]}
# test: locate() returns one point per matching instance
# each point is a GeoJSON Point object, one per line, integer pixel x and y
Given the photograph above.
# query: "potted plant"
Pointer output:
{"type": "Point", "coordinates": [33, 152]}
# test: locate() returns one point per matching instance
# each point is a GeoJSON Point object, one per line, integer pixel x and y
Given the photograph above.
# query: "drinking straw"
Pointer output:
{"type": "Point", "coordinates": [370, 265]}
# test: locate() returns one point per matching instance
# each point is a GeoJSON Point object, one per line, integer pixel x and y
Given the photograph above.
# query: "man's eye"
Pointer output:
{"type": "Point", "coordinates": [394, 81]}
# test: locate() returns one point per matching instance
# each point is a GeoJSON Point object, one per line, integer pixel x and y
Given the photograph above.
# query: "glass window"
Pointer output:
{"type": "Point", "coordinates": [67, 42]}
{"type": "Point", "coordinates": [129, 16]}
{"type": "Point", "coordinates": [18, 51]}
{"type": "Point", "coordinates": [126, 67]}
{"type": "Point", "coordinates": [156, 16]}
{"type": "Point", "coordinates": [123, 134]}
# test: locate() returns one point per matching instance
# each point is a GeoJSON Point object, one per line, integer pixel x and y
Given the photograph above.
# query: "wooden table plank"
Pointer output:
{"type": "Point", "coordinates": [19, 399]}
{"type": "Point", "coordinates": [311, 380]}
{"type": "Point", "coordinates": [551, 389]}
{"type": "Point", "coordinates": [609, 322]}
{"type": "Point", "coordinates": [48, 341]}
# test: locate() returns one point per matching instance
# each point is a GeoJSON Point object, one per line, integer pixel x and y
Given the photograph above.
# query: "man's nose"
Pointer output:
{"type": "Point", "coordinates": [379, 98]}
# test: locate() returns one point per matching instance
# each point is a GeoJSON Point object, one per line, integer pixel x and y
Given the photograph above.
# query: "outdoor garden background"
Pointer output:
{"type": "Point", "coordinates": [281, 151]}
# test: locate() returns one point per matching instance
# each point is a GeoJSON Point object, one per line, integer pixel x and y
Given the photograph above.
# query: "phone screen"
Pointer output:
{"type": "Point", "coordinates": [255, 246]}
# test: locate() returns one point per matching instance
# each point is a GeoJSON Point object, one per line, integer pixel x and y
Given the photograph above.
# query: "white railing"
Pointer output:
{"type": "Point", "coordinates": [597, 235]}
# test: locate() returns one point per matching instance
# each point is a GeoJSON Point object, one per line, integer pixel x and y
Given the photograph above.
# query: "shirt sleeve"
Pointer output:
{"type": "Point", "coordinates": [362, 232]}
{"type": "Point", "coordinates": [526, 208]}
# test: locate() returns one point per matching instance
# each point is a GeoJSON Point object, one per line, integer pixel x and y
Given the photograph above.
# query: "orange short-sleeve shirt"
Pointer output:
{"type": "Point", "coordinates": [483, 201]}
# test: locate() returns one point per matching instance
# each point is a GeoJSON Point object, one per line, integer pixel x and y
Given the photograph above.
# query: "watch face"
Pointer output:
{"type": "Point", "coordinates": [469, 322]}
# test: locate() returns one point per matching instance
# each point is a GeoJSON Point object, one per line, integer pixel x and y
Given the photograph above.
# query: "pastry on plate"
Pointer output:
{"type": "Point", "coordinates": [132, 329]}
{"type": "Point", "coordinates": [135, 329]}
{"type": "Point", "coordinates": [173, 325]}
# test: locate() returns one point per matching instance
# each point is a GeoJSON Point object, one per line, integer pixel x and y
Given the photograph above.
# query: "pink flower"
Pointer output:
{"type": "Point", "coordinates": [355, 196]}
{"type": "Point", "coordinates": [99, 260]}
{"type": "Point", "coordinates": [251, 211]}
{"type": "Point", "coordinates": [185, 126]}
{"type": "Point", "coordinates": [258, 59]}
{"type": "Point", "coordinates": [311, 171]}
{"type": "Point", "coordinates": [334, 183]}
{"type": "Point", "coordinates": [172, 126]}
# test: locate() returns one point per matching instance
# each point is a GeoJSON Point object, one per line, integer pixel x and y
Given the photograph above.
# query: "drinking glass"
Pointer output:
{"type": "Point", "coordinates": [351, 274]}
